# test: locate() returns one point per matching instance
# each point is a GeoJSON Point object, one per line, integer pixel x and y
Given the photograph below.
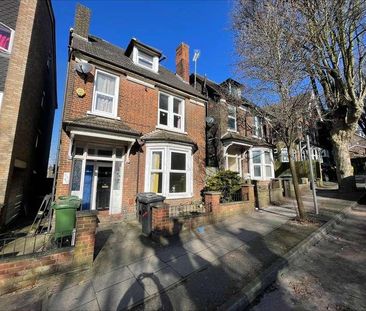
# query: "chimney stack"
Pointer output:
{"type": "Point", "coordinates": [82, 21]}
{"type": "Point", "coordinates": [182, 61]}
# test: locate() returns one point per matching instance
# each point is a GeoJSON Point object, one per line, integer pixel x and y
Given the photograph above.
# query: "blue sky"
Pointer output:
{"type": "Point", "coordinates": [202, 24]}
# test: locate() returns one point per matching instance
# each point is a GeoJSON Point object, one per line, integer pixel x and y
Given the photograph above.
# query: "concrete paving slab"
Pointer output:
{"type": "Point", "coordinates": [89, 306]}
{"type": "Point", "coordinates": [158, 281]}
{"type": "Point", "coordinates": [195, 246]}
{"type": "Point", "coordinates": [108, 279]}
{"type": "Point", "coordinates": [187, 264]}
{"type": "Point", "coordinates": [228, 242]}
{"type": "Point", "coordinates": [171, 252]}
{"type": "Point", "coordinates": [211, 254]}
{"type": "Point", "coordinates": [147, 265]}
{"type": "Point", "coordinates": [121, 296]}
{"type": "Point", "coordinates": [72, 297]}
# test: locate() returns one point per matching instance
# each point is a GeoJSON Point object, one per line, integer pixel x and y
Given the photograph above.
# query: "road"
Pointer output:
{"type": "Point", "coordinates": [330, 276]}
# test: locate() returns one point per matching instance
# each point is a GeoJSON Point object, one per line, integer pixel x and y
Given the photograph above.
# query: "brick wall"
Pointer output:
{"type": "Point", "coordinates": [138, 108]}
{"type": "Point", "coordinates": [163, 225]}
{"type": "Point", "coordinates": [31, 270]}
{"type": "Point", "coordinates": [22, 118]}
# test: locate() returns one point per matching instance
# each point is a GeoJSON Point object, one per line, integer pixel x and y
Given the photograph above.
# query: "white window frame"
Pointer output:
{"type": "Point", "coordinates": [137, 54]}
{"type": "Point", "coordinates": [238, 162]}
{"type": "Point", "coordinates": [262, 164]}
{"type": "Point", "coordinates": [167, 150]}
{"type": "Point", "coordinates": [113, 114]}
{"type": "Point", "coordinates": [284, 156]}
{"type": "Point", "coordinates": [231, 117]}
{"type": "Point", "coordinates": [258, 125]}
{"type": "Point", "coordinates": [171, 113]}
{"type": "Point", "coordinates": [12, 32]}
{"type": "Point", "coordinates": [1, 99]}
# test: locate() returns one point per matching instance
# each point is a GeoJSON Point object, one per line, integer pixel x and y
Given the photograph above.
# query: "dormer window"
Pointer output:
{"type": "Point", "coordinates": [145, 60]}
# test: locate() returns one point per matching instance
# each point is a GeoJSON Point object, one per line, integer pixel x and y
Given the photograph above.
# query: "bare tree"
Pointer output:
{"type": "Point", "coordinates": [269, 53]}
{"type": "Point", "coordinates": [327, 38]}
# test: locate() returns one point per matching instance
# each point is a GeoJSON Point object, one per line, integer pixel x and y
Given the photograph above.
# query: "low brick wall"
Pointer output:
{"type": "Point", "coordinates": [164, 225]}
{"type": "Point", "coordinates": [30, 270]}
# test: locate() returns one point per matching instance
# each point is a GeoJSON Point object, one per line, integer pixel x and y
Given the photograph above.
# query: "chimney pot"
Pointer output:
{"type": "Point", "coordinates": [82, 21]}
{"type": "Point", "coordinates": [182, 61]}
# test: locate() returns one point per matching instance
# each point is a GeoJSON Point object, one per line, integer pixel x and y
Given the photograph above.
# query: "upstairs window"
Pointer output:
{"type": "Point", "coordinates": [6, 38]}
{"type": "Point", "coordinates": [231, 121]}
{"type": "Point", "coordinates": [145, 60]}
{"type": "Point", "coordinates": [258, 126]}
{"type": "Point", "coordinates": [171, 112]}
{"type": "Point", "coordinates": [105, 99]}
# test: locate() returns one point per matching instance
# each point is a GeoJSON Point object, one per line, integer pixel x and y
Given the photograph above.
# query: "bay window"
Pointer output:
{"type": "Point", "coordinates": [105, 99]}
{"type": "Point", "coordinates": [168, 171]}
{"type": "Point", "coordinates": [171, 112]}
{"type": "Point", "coordinates": [231, 121]}
{"type": "Point", "coordinates": [261, 163]}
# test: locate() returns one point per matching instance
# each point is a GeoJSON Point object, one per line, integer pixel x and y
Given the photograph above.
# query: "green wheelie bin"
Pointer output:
{"type": "Point", "coordinates": [65, 212]}
{"type": "Point", "coordinates": [70, 199]}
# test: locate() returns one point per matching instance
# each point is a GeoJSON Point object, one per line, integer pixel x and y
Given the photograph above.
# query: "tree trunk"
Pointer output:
{"type": "Point", "coordinates": [341, 140]}
{"type": "Point", "coordinates": [300, 205]}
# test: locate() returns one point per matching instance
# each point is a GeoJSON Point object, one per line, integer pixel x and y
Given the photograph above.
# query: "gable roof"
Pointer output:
{"type": "Point", "coordinates": [114, 55]}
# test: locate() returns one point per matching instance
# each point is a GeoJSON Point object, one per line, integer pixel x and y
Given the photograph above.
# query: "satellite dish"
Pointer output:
{"type": "Point", "coordinates": [83, 67]}
{"type": "Point", "coordinates": [210, 121]}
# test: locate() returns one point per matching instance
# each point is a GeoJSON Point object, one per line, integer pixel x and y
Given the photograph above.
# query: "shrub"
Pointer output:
{"type": "Point", "coordinates": [227, 182]}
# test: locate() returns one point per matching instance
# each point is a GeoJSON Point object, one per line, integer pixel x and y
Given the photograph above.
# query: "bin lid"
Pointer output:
{"type": "Point", "coordinates": [66, 205]}
{"type": "Point", "coordinates": [68, 197]}
{"type": "Point", "coordinates": [149, 197]}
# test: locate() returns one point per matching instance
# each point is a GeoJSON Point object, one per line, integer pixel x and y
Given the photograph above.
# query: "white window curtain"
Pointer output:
{"type": "Point", "coordinates": [105, 93]}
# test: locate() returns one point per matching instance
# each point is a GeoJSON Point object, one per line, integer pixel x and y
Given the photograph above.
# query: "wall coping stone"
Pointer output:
{"type": "Point", "coordinates": [247, 185]}
{"type": "Point", "coordinates": [86, 214]}
{"type": "Point", "coordinates": [213, 192]}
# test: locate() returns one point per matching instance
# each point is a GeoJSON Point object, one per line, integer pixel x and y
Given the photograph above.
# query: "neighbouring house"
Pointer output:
{"type": "Point", "coordinates": [129, 125]}
{"type": "Point", "coordinates": [238, 138]}
{"type": "Point", "coordinates": [27, 102]}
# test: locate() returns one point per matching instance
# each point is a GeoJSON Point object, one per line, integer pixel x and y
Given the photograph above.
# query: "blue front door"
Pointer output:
{"type": "Point", "coordinates": [88, 181]}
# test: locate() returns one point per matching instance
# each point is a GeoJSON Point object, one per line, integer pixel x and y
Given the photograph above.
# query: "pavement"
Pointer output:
{"type": "Point", "coordinates": [331, 276]}
{"type": "Point", "coordinates": [194, 271]}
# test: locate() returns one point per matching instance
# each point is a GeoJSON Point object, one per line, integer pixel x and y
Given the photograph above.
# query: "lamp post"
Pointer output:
{"type": "Point", "coordinates": [312, 176]}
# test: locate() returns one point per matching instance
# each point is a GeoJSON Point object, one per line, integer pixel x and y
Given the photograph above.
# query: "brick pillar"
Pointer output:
{"type": "Point", "coordinates": [212, 200]}
{"type": "Point", "coordinates": [86, 225]}
{"type": "Point", "coordinates": [160, 217]}
{"type": "Point", "coordinates": [263, 193]}
{"type": "Point", "coordinates": [247, 191]}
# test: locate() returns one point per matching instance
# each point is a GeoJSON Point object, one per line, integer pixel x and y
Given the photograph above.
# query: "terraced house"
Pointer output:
{"type": "Point", "coordinates": [129, 125]}
{"type": "Point", "coordinates": [238, 137]}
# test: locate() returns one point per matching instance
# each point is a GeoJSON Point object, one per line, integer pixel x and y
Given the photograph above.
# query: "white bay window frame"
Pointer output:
{"type": "Point", "coordinates": [262, 164]}
{"type": "Point", "coordinates": [166, 151]}
{"type": "Point", "coordinates": [170, 112]}
{"type": "Point", "coordinates": [113, 114]}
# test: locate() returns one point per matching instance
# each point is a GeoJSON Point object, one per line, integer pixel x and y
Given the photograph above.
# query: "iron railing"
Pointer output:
{"type": "Point", "coordinates": [18, 245]}
{"type": "Point", "coordinates": [234, 197]}
{"type": "Point", "coordinates": [188, 210]}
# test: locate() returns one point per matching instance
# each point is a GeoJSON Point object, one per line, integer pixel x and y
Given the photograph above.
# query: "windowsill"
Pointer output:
{"type": "Point", "coordinates": [169, 129]}
{"type": "Point", "coordinates": [232, 131]}
{"type": "Point", "coordinates": [178, 196]}
{"type": "Point", "coordinates": [102, 115]}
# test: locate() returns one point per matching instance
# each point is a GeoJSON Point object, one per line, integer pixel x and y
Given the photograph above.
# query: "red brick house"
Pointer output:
{"type": "Point", "coordinates": [238, 137]}
{"type": "Point", "coordinates": [129, 125]}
